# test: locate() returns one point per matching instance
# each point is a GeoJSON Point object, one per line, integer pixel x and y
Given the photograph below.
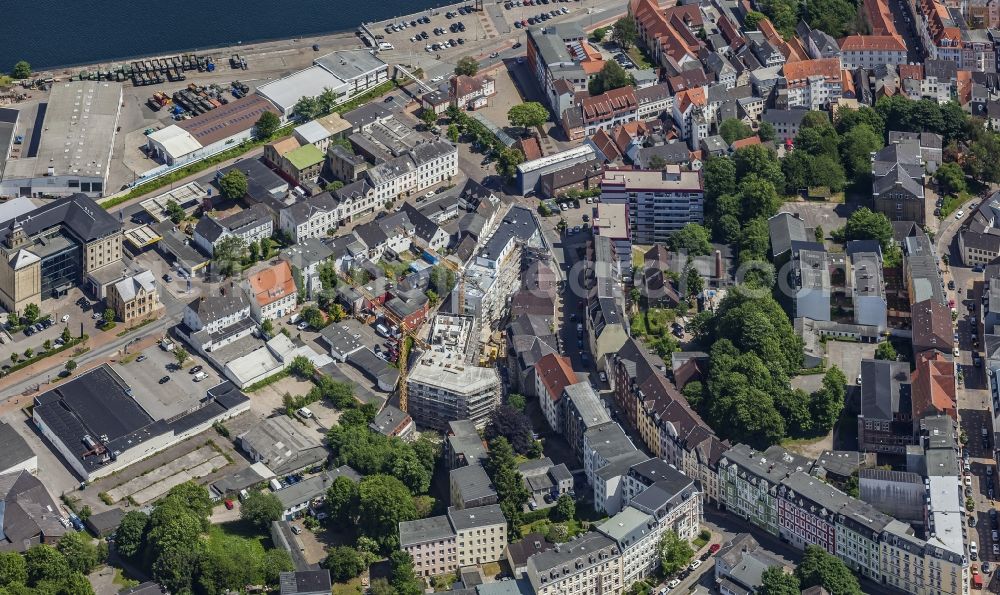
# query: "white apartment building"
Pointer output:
{"type": "Point", "coordinates": [250, 225]}
{"type": "Point", "coordinates": [868, 51]}
{"type": "Point", "coordinates": [419, 168]}
{"type": "Point", "coordinates": [272, 292]}
{"type": "Point", "coordinates": [659, 202]}
{"type": "Point", "coordinates": [638, 537]}
{"type": "Point", "coordinates": [589, 565]}
{"type": "Point", "coordinates": [312, 217]}
{"type": "Point", "coordinates": [553, 373]}
{"type": "Point", "coordinates": [812, 84]}
{"type": "Point", "coordinates": [216, 321]}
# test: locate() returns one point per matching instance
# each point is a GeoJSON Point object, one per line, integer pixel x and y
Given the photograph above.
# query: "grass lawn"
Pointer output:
{"type": "Point", "coordinates": [491, 569]}
{"type": "Point", "coordinates": [638, 252]}
{"type": "Point", "coordinates": [573, 527]}
{"type": "Point", "coordinates": [951, 203]}
{"type": "Point", "coordinates": [352, 587]}
{"type": "Point", "coordinates": [640, 58]}
{"type": "Point", "coordinates": [699, 543]}
{"type": "Point", "coordinates": [123, 581]}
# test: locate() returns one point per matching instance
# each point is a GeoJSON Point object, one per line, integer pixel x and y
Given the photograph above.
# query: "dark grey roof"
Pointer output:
{"type": "Point", "coordinates": [27, 512]}
{"type": "Point", "coordinates": [432, 528]}
{"type": "Point", "coordinates": [422, 225]}
{"type": "Point", "coordinates": [374, 367]}
{"type": "Point", "coordinates": [671, 489]}
{"type": "Point", "coordinates": [921, 264]}
{"type": "Point", "coordinates": [480, 516]}
{"type": "Point", "coordinates": [15, 449]}
{"type": "Point", "coordinates": [213, 307]}
{"type": "Point", "coordinates": [885, 388]}
{"type": "Point", "coordinates": [309, 581]}
{"type": "Point", "coordinates": [785, 228]}
{"type": "Point", "coordinates": [519, 223]}
{"type": "Point", "coordinates": [79, 214]}
{"type": "Point", "coordinates": [472, 482]}
{"type": "Point", "coordinates": [531, 544]}
{"type": "Point", "coordinates": [784, 116]}
{"type": "Point", "coordinates": [585, 548]}
{"type": "Point", "coordinates": [387, 420]}
{"type": "Point", "coordinates": [262, 183]}
{"type": "Point", "coordinates": [303, 210]}
{"type": "Point", "coordinates": [371, 234]}
{"type": "Point", "coordinates": [944, 70]}
{"type": "Point", "coordinates": [672, 153]}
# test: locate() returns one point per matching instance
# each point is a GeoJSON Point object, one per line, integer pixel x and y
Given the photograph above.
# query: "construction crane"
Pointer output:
{"type": "Point", "coordinates": [404, 350]}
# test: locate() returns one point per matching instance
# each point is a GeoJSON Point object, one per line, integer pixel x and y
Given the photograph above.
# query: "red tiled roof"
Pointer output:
{"type": "Point", "coordinates": [272, 283]}
{"type": "Point", "coordinates": [530, 148]}
{"type": "Point", "coordinates": [605, 144]}
{"type": "Point", "coordinates": [872, 43]}
{"type": "Point", "coordinates": [609, 104]}
{"type": "Point", "coordinates": [933, 385]}
{"type": "Point", "coordinates": [556, 373]}
{"type": "Point", "coordinates": [746, 142]}
{"type": "Point", "coordinates": [799, 72]}
{"type": "Point", "coordinates": [685, 99]}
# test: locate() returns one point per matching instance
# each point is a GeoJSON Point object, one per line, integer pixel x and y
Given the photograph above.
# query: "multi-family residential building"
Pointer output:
{"type": "Point", "coordinates": [740, 563]}
{"type": "Point", "coordinates": [935, 80]}
{"type": "Point", "coordinates": [250, 225]}
{"type": "Point", "coordinates": [47, 250]}
{"type": "Point", "coordinates": [134, 298]}
{"type": "Point", "coordinates": [306, 257]}
{"type": "Point", "coordinates": [211, 322]}
{"type": "Point", "coordinates": [607, 110]}
{"type": "Point", "coordinates": [653, 101]}
{"type": "Point", "coordinates": [472, 92]}
{"type": "Point", "coordinates": [591, 564]}
{"type": "Point", "coordinates": [885, 423]}
{"type": "Point", "coordinates": [562, 62]}
{"type": "Point", "coordinates": [582, 410]}
{"type": "Point", "coordinates": [668, 34]}
{"type": "Point", "coordinates": [898, 182]}
{"type": "Point", "coordinates": [867, 284]}
{"type": "Point", "coordinates": [810, 84]}
{"type": "Point", "coordinates": [810, 280]}
{"type": "Point", "coordinates": [418, 168]}
{"type": "Point", "coordinates": [749, 482]}
{"type": "Point", "coordinates": [691, 116]}
{"type": "Point", "coordinates": [303, 164]}
{"type": "Point", "coordinates": [612, 222]}
{"type": "Point", "coordinates": [312, 217]}
{"type": "Point", "coordinates": [868, 51]}
{"type": "Point", "coordinates": [979, 240]}
{"type": "Point", "coordinates": [945, 35]}
{"type": "Point", "coordinates": [463, 537]}
{"type": "Point", "coordinates": [786, 122]}
{"type": "Point", "coordinates": [272, 291]}
{"type": "Point", "coordinates": [659, 202]}
{"type": "Point", "coordinates": [443, 387]}
{"type": "Point", "coordinates": [638, 536]}
{"type": "Point", "coordinates": [553, 373]}
{"type": "Point", "coordinates": [675, 501]}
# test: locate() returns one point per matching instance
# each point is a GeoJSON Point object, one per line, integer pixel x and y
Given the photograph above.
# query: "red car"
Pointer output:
{"type": "Point", "coordinates": [229, 504]}
{"type": "Point", "coordinates": [715, 547]}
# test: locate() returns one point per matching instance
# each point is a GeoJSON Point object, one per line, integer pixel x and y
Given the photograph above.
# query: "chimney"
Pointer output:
{"type": "Point", "coordinates": [718, 264]}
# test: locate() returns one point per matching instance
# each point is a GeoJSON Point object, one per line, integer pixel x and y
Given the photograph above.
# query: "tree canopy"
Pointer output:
{"type": "Point", "coordinates": [692, 239]}
{"type": "Point", "coordinates": [233, 184]}
{"type": "Point", "coordinates": [261, 509]}
{"type": "Point", "coordinates": [267, 124]}
{"type": "Point", "coordinates": [624, 33]}
{"type": "Point", "coordinates": [675, 553]}
{"type": "Point", "coordinates": [502, 468]}
{"type": "Point", "coordinates": [466, 66]}
{"type": "Point", "coordinates": [611, 76]}
{"type": "Point", "coordinates": [865, 224]}
{"type": "Point", "coordinates": [732, 130]}
{"type": "Point", "coordinates": [820, 568]}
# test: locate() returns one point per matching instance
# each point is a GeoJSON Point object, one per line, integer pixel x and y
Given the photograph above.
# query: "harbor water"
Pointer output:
{"type": "Point", "coordinates": [58, 33]}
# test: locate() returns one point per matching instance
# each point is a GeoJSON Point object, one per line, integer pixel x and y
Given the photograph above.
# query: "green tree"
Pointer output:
{"type": "Point", "coordinates": [598, 34]}
{"type": "Point", "coordinates": [856, 147]}
{"type": "Point", "coordinates": [453, 133]}
{"type": "Point", "coordinates": [864, 224]}
{"type": "Point", "coordinates": [517, 401]}
{"type": "Point", "coordinates": [732, 130]}
{"type": "Point", "coordinates": [333, 186]}
{"type": "Point", "coordinates": [950, 178]}
{"type": "Point", "coordinates": [175, 211]}
{"type": "Point", "coordinates": [383, 503]}
{"type": "Point", "coordinates": [753, 19]}
{"type": "Point", "coordinates": [466, 66]}
{"type": "Point", "coordinates": [565, 508]}
{"type": "Point", "coordinates": [774, 581]}
{"type": "Point", "coordinates": [327, 101]}
{"type": "Point", "coordinates": [885, 351]}
{"type": "Point", "coordinates": [693, 280]}
{"type": "Point", "coordinates": [233, 184]}
{"type": "Point", "coordinates": [108, 316]}
{"type": "Point", "coordinates": [820, 568]}
{"type": "Point", "coordinates": [307, 108]}
{"type": "Point", "coordinates": [65, 335]}
{"type": "Point", "coordinates": [12, 569]}
{"type": "Point", "coordinates": [656, 162]}
{"type": "Point", "coordinates": [342, 499]}
{"type": "Point", "coordinates": [624, 33]}
{"type": "Point", "coordinates": [401, 575]}
{"type": "Point", "coordinates": [302, 367]}
{"type": "Point", "coordinates": [274, 563]}
{"type": "Point", "coordinates": [507, 162]}
{"type": "Point", "coordinates": [181, 355]}
{"type": "Point", "coordinates": [131, 533]}
{"type": "Point", "coordinates": [526, 115]}
{"type": "Point", "coordinates": [267, 124]}
{"type": "Point", "coordinates": [70, 365]}
{"type": "Point", "coordinates": [692, 238]}
{"type": "Point", "coordinates": [344, 563]}
{"type": "Point", "coordinates": [229, 253]}
{"type": "Point", "coordinates": [31, 314]}
{"type": "Point", "coordinates": [513, 496]}
{"type": "Point", "coordinates": [827, 403]}
{"type": "Point", "coordinates": [836, 17]}
{"type": "Point", "coordinates": [759, 160]}
{"type": "Point", "coordinates": [765, 131]}
{"type": "Point", "coordinates": [313, 316]}
{"type": "Point", "coordinates": [260, 509]}
{"type": "Point", "coordinates": [611, 76]}
{"type": "Point", "coordinates": [79, 550]}
{"type": "Point", "coordinates": [22, 70]}
{"type": "Point", "coordinates": [675, 553]}
{"type": "Point", "coordinates": [428, 117]}
{"type": "Point", "coordinates": [45, 563]}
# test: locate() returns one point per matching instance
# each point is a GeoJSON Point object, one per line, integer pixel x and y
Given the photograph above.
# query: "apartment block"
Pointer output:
{"type": "Point", "coordinates": [591, 564]}
{"type": "Point", "coordinates": [463, 537]}
{"type": "Point", "coordinates": [659, 202]}
{"type": "Point", "coordinates": [442, 387]}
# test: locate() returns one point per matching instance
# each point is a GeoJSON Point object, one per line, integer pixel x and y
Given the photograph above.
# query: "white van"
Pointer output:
{"type": "Point", "coordinates": [167, 345]}
{"type": "Point", "coordinates": [200, 376]}
{"type": "Point", "coordinates": [244, 495]}
{"type": "Point", "coordinates": [381, 330]}
{"type": "Point", "coordinates": [275, 484]}
{"type": "Point", "coordinates": [306, 413]}
{"type": "Point", "coordinates": [385, 45]}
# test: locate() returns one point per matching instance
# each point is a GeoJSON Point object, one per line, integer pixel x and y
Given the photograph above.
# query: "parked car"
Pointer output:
{"type": "Point", "coordinates": [195, 370]}
{"type": "Point", "coordinates": [229, 504]}
{"type": "Point", "coordinates": [141, 358]}
{"type": "Point", "coordinates": [165, 380]}
{"type": "Point", "coordinates": [65, 317]}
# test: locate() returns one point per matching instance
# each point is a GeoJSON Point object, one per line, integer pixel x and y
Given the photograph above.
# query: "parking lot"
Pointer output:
{"type": "Point", "coordinates": [180, 391]}
{"type": "Point", "coordinates": [435, 30]}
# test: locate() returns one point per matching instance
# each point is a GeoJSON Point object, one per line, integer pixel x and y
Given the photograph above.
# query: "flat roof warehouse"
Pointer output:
{"type": "Point", "coordinates": [95, 421]}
